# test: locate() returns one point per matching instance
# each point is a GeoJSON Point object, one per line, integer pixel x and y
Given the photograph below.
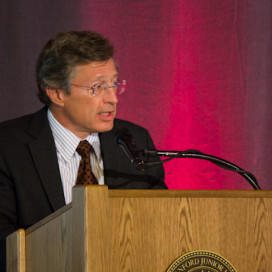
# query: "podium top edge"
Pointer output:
{"type": "Point", "coordinates": [162, 193]}
{"type": "Point", "coordinates": [191, 193]}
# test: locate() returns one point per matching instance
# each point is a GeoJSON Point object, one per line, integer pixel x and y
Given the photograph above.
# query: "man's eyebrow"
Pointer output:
{"type": "Point", "coordinates": [104, 77]}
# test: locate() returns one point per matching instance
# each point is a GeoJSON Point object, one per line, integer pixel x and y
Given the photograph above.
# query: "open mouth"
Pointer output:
{"type": "Point", "coordinates": [105, 113]}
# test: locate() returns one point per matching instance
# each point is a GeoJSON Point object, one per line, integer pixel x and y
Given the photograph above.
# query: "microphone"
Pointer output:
{"type": "Point", "coordinates": [124, 139]}
{"type": "Point", "coordinates": [199, 155]}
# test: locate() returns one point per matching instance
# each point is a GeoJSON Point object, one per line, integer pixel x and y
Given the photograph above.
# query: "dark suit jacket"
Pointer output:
{"type": "Point", "coordinates": [30, 182]}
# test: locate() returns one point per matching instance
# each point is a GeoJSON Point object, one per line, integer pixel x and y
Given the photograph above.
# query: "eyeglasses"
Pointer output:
{"type": "Point", "coordinates": [119, 87]}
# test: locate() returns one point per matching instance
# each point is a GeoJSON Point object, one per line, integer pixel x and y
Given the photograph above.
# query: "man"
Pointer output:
{"type": "Point", "coordinates": [39, 162]}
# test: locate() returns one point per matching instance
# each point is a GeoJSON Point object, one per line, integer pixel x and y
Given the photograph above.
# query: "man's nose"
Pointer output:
{"type": "Point", "coordinates": [110, 95]}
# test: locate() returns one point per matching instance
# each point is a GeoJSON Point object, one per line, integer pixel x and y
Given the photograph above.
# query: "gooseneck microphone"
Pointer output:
{"type": "Point", "coordinates": [195, 154]}
{"type": "Point", "coordinates": [125, 140]}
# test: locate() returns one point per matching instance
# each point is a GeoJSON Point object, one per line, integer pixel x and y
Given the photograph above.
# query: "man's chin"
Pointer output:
{"type": "Point", "coordinates": [105, 127]}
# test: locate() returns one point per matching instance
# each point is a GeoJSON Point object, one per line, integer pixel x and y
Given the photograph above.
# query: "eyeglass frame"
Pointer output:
{"type": "Point", "coordinates": [95, 87]}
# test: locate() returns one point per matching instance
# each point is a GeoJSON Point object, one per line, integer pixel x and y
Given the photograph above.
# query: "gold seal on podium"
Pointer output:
{"type": "Point", "coordinates": [201, 261]}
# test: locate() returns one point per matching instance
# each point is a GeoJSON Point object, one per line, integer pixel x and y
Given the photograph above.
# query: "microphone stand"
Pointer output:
{"type": "Point", "coordinates": [198, 155]}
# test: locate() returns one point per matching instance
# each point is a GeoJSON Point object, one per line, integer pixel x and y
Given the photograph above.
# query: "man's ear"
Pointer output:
{"type": "Point", "coordinates": [56, 96]}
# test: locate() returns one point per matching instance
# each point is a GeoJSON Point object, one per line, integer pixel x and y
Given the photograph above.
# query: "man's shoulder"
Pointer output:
{"type": "Point", "coordinates": [22, 123]}
{"type": "Point", "coordinates": [119, 123]}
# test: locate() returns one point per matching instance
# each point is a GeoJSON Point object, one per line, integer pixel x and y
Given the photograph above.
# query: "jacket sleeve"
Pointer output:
{"type": "Point", "coordinates": [7, 210]}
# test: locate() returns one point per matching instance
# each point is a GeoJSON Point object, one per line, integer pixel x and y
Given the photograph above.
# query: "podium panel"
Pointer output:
{"type": "Point", "coordinates": [146, 230]}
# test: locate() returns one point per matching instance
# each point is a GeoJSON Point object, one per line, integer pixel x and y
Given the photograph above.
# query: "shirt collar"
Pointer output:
{"type": "Point", "coordinates": [66, 142]}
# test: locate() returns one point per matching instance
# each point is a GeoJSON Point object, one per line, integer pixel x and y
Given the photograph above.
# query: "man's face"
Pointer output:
{"type": "Point", "coordinates": [83, 113]}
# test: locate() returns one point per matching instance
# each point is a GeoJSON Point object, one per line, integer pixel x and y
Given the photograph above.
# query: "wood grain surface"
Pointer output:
{"type": "Point", "coordinates": [151, 232]}
{"type": "Point", "coordinates": [16, 259]}
{"type": "Point", "coordinates": [146, 230]}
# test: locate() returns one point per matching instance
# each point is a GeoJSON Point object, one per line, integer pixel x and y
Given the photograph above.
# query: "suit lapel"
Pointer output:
{"type": "Point", "coordinates": [111, 161]}
{"type": "Point", "coordinates": [119, 173]}
{"type": "Point", "coordinates": [45, 159]}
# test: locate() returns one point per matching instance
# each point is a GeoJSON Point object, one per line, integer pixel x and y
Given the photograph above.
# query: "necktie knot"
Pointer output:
{"type": "Point", "coordinates": [84, 149]}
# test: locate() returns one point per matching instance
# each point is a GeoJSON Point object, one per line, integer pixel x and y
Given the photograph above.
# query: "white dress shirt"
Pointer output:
{"type": "Point", "coordinates": [66, 143]}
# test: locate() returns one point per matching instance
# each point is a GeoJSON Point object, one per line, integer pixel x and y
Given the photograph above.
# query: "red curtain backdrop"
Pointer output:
{"type": "Point", "coordinates": [198, 72]}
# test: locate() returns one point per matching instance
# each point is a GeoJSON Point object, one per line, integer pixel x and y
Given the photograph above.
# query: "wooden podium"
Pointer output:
{"type": "Point", "coordinates": [146, 230]}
